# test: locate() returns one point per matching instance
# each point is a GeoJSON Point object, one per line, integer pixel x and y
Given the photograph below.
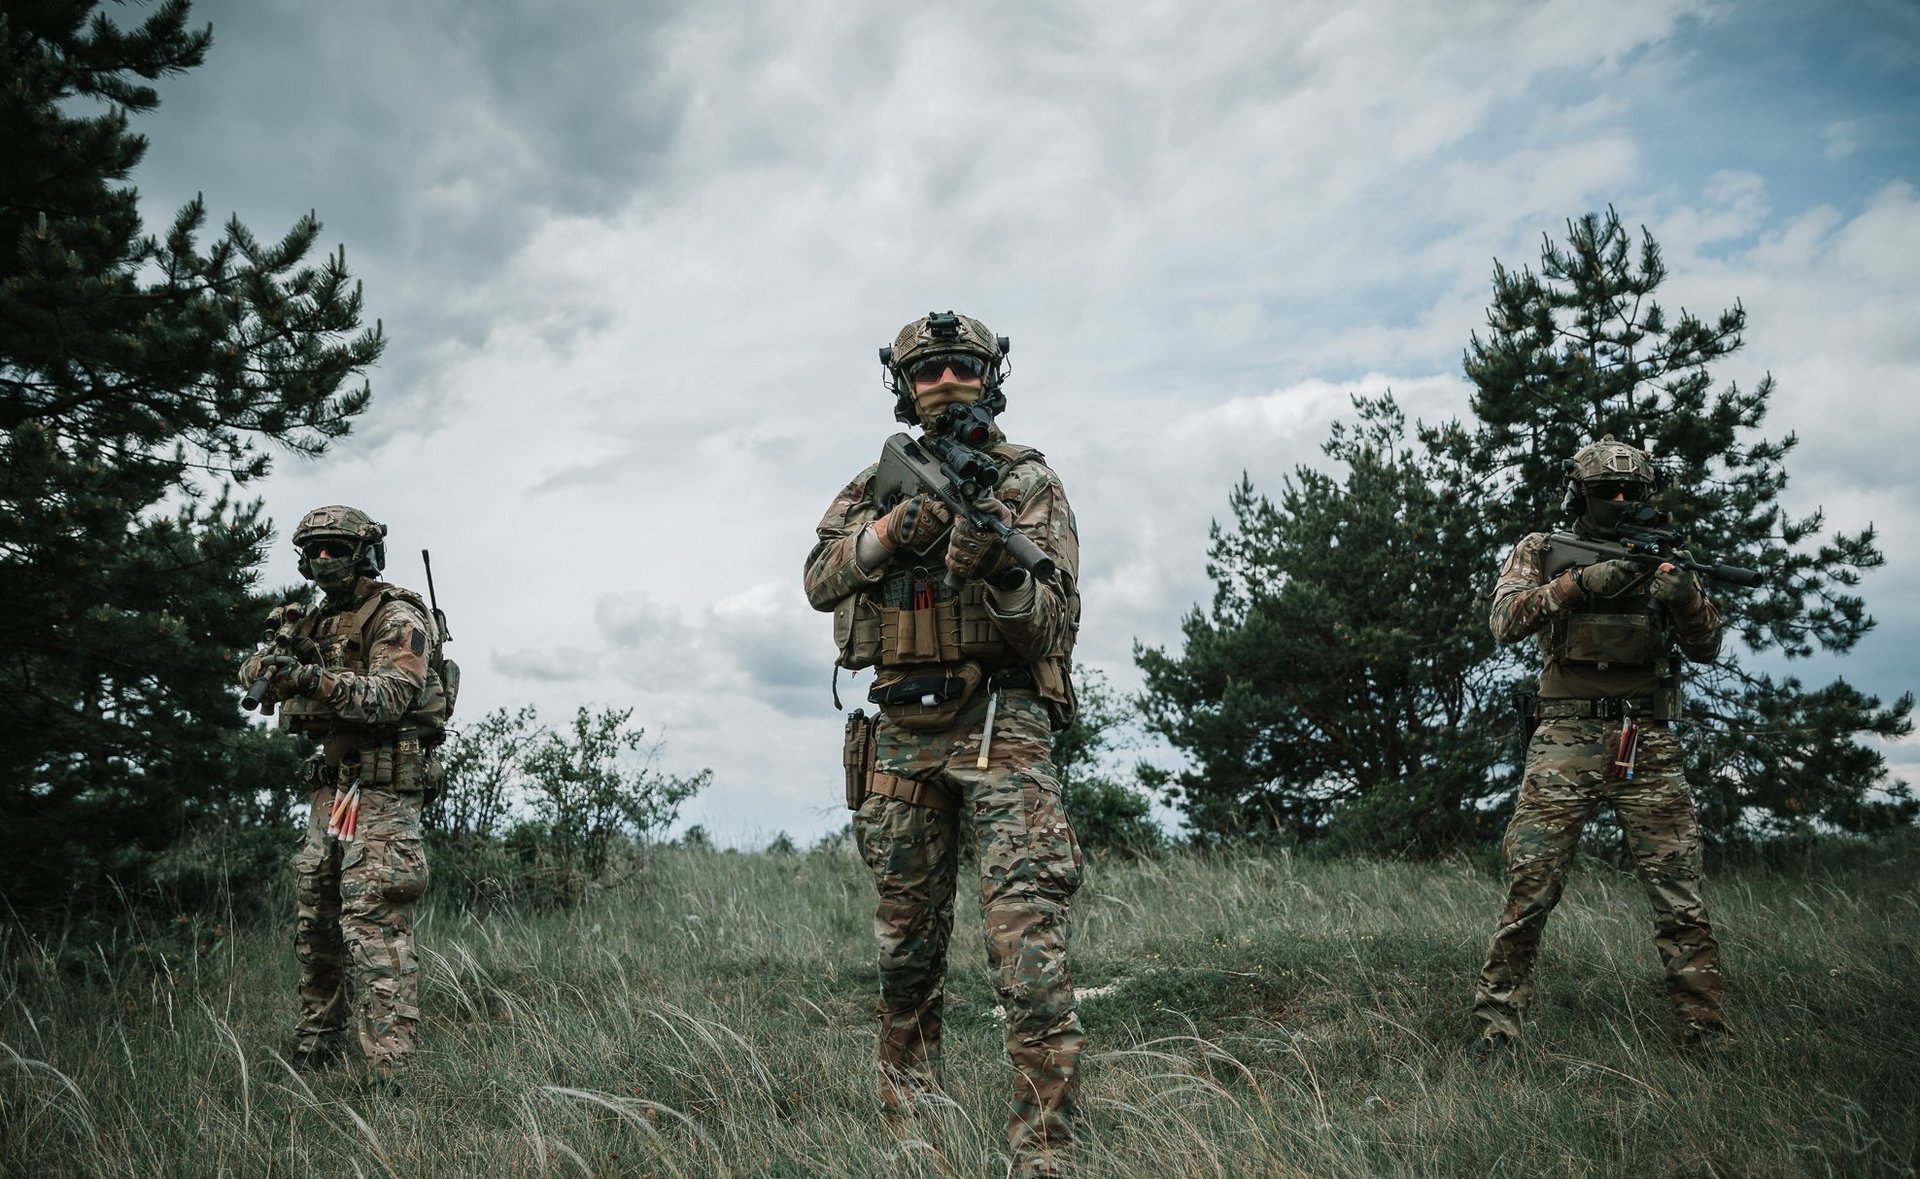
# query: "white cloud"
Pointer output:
{"type": "Point", "coordinates": [634, 265]}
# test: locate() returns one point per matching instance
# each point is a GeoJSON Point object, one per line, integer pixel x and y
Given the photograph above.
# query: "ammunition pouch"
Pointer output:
{"type": "Point", "coordinates": [402, 765]}
{"type": "Point", "coordinates": [929, 635]}
{"type": "Point", "coordinates": [926, 699]}
{"type": "Point", "coordinates": [377, 765]}
{"type": "Point", "coordinates": [856, 757]}
{"type": "Point", "coordinates": [913, 617]}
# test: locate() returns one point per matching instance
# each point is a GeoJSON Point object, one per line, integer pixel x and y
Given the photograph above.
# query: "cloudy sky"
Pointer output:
{"type": "Point", "coordinates": [634, 261]}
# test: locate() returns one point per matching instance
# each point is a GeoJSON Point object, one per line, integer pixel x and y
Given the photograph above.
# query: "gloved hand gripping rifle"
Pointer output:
{"type": "Point", "coordinates": [283, 639]}
{"type": "Point", "coordinates": [1645, 540]}
{"type": "Point", "coordinates": [945, 466]}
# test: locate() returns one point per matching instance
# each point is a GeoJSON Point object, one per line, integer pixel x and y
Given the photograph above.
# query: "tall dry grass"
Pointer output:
{"type": "Point", "coordinates": [1247, 1015]}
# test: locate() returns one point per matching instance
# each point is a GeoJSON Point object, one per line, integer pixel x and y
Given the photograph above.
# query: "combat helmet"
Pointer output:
{"type": "Point", "coordinates": [943, 333]}
{"type": "Point", "coordinates": [1596, 471]}
{"type": "Point", "coordinates": [337, 520]}
{"type": "Point", "coordinates": [1611, 461]}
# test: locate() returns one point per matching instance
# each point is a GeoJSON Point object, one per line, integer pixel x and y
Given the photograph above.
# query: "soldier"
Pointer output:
{"type": "Point", "coordinates": [972, 658]}
{"type": "Point", "coordinates": [1609, 691]}
{"type": "Point", "coordinates": [362, 674]}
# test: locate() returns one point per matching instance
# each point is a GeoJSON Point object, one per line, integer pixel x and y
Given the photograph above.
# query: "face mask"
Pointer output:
{"type": "Point", "coordinates": [1604, 515]}
{"type": "Point", "coordinates": [933, 400]}
{"type": "Point", "coordinates": [333, 574]}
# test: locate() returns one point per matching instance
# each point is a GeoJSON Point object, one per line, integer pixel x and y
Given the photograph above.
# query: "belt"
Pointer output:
{"type": "Point", "coordinates": [1605, 708]}
{"type": "Point", "coordinates": [916, 793]}
{"type": "Point", "coordinates": [940, 686]}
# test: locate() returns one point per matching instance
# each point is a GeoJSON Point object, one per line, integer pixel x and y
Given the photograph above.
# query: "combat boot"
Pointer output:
{"type": "Point", "coordinates": [1701, 1037]}
{"type": "Point", "coordinates": [1052, 1166]}
{"type": "Point", "coordinates": [318, 1054]}
{"type": "Point", "coordinates": [1496, 1049]}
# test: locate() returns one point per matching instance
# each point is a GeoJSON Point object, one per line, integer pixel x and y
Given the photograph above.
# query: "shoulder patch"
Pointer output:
{"type": "Point", "coordinates": [419, 641]}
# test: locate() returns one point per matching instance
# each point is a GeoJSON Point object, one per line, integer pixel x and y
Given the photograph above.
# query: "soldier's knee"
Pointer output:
{"type": "Point", "coordinates": [1535, 875]}
{"type": "Point", "coordinates": [1039, 864]}
{"type": "Point", "coordinates": [1028, 947]}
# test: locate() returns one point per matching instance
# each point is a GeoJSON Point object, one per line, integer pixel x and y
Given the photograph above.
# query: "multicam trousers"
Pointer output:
{"type": "Point", "coordinates": [355, 922]}
{"type": "Point", "coordinates": [1568, 775]}
{"type": "Point", "coordinates": [1029, 864]}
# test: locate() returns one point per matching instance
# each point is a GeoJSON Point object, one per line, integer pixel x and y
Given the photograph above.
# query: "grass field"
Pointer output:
{"type": "Point", "coordinates": [1249, 1016]}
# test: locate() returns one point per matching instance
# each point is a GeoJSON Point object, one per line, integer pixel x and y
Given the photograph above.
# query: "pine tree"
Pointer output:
{"type": "Point", "coordinates": [1340, 686]}
{"type": "Point", "coordinates": [1582, 349]}
{"type": "Point", "coordinates": [141, 381]}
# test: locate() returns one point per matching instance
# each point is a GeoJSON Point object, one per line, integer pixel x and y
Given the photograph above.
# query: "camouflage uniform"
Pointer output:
{"type": "Point", "coordinates": [926, 792]}
{"type": "Point", "coordinates": [376, 699]}
{"type": "Point", "coordinates": [1570, 772]}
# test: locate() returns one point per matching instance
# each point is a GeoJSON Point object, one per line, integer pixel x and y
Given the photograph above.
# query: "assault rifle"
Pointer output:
{"type": "Point", "coordinates": [945, 466]}
{"type": "Point", "coordinates": [283, 639]}
{"type": "Point", "coordinates": [1643, 539]}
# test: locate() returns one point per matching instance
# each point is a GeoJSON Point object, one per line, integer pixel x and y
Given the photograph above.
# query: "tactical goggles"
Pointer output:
{"type": "Point", "coordinates": [329, 546]}
{"type": "Point", "coordinates": [930, 370]}
{"type": "Point", "coordinates": [1630, 490]}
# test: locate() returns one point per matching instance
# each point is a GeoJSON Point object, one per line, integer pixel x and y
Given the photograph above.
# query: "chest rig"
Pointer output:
{"type": "Point", "coordinates": [345, 637]}
{"type": "Point", "coordinates": [912, 617]}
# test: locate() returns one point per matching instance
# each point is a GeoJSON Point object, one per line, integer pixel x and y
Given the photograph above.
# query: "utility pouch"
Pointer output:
{"type": "Point", "coordinates": [1612, 640]}
{"type": "Point", "coordinates": [1053, 680]}
{"type": "Point", "coordinates": [856, 757]}
{"type": "Point", "coordinates": [925, 699]}
{"type": "Point", "coordinates": [856, 632]}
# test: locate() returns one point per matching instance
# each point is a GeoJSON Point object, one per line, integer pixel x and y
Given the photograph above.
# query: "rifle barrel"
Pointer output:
{"type": "Point", "coordinates": [1750, 578]}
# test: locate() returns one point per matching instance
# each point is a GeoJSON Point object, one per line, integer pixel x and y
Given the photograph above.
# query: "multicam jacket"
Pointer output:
{"type": "Point", "coordinates": [1591, 649]}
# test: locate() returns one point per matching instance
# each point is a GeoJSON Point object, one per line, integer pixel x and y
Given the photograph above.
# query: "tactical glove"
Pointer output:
{"type": "Point", "coordinates": [1609, 579]}
{"type": "Point", "coordinates": [1675, 586]}
{"type": "Point", "coordinates": [977, 552]}
{"type": "Point", "coordinates": [290, 677]}
{"type": "Point", "coordinates": [913, 524]}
